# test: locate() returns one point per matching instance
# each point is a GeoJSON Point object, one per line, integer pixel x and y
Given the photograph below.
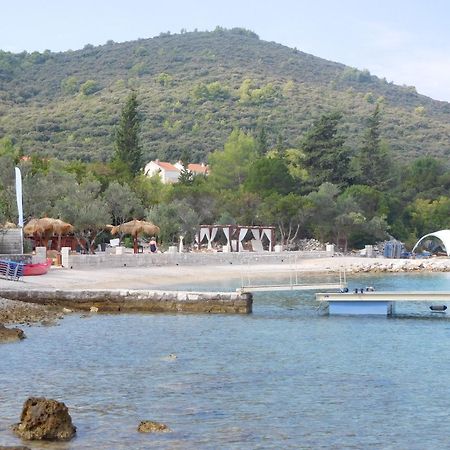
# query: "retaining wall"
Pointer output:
{"type": "Point", "coordinates": [123, 300]}
{"type": "Point", "coordinates": [171, 259]}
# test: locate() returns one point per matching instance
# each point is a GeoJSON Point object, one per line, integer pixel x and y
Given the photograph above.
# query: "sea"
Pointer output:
{"type": "Point", "coordinates": [287, 376]}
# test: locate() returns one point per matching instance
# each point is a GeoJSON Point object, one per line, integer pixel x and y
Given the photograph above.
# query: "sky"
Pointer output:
{"type": "Point", "coordinates": [405, 41]}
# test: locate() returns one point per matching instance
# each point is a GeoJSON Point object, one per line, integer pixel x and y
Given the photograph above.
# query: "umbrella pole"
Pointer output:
{"type": "Point", "coordinates": [135, 245]}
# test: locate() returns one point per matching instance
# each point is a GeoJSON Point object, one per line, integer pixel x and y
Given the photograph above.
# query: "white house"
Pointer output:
{"type": "Point", "coordinates": [167, 172]}
{"type": "Point", "coordinates": [196, 169]}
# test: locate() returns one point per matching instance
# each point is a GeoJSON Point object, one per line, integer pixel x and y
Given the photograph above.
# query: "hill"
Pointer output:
{"type": "Point", "coordinates": [194, 88]}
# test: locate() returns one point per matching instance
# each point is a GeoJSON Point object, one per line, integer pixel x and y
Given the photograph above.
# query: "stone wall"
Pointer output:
{"type": "Point", "coordinates": [10, 241]}
{"type": "Point", "coordinates": [124, 300]}
{"type": "Point", "coordinates": [183, 259]}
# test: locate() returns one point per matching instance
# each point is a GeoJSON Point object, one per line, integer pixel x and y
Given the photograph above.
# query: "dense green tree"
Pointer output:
{"type": "Point", "coordinates": [262, 145]}
{"type": "Point", "coordinates": [423, 176]}
{"type": "Point", "coordinates": [289, 213]}
{"type": "Point", "coordinates": [268, 175]}
{"type": "Point", "coordinates": [327, 159]}
{"type": "Point", "coordinates": [8, 209]}
{"type": "Point", "coordinates": [324, 211]}
{"type": "Point", "coordinates": [127, 145]}
{"type": "Point", "coordinates": [429, 215]}
{"type": "Point", "coordinates": [175, 219]}
{"type": "Point", "coordinates": [373, 161]}
{"type": "Point", "coordinates": [230, 166]}
{"type": "Point", "coordinates": [123, 204]}
{"type": "Point", "coordinates": [86, 210]}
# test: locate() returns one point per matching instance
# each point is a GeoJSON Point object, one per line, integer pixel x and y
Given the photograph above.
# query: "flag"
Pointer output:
{"type": "Point", "coordinates": [19, 196]}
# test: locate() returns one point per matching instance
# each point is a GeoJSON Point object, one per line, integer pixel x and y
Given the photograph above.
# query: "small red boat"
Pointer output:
{"type": "Point", "coordinates": [37, 269]}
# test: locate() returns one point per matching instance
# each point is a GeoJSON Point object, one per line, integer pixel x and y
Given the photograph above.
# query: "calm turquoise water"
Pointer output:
{"type": "Point", "coordinates": [285, 377]}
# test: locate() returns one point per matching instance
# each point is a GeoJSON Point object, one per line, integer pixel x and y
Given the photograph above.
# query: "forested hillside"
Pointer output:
{"type": "Point", "coordinates": [194, 89]}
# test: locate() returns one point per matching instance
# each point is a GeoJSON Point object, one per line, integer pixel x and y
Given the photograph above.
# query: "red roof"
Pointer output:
{"type": "Point", "coordinates": [198, 168]}
{"type": "Point", "coordinates": [166, 166]}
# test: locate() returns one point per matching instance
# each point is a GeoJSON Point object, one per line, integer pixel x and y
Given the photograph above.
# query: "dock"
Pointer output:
{"type": "Point", "coordinates": [376, 303]}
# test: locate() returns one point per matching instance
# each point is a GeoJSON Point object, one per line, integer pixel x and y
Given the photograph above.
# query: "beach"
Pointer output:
{"type": "Point", "coordinates": [153, 277]}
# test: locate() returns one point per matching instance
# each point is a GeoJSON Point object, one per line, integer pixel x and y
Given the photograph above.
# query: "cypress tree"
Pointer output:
{"type": "Point", "coordinates": [127, 146]}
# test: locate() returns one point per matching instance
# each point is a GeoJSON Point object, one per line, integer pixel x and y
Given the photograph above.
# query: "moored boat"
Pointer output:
{"type": "Point", "coordinates": [37, 268]}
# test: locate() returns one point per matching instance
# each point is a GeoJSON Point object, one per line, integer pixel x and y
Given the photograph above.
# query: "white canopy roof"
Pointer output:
{"type": "Point", "coordinates": [442, 235]}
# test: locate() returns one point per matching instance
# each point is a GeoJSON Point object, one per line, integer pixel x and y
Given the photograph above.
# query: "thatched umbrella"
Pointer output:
{"type": "Point", "coordinates": [34, 228]}
{"type": "Point", "coordinates": [45, 227]}
{"type": "Point", "coordinates": [135, 228]}
{"type": "Point", "coordinates": [61, 228]}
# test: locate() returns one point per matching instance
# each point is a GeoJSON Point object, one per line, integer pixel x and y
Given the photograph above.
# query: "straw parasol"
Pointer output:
{"type": "Point", "coordinates": [135, 228]}
{"type": "Point", "coordinates": [8, 226]}
{"type": "Point", "coordinates": [45, 227]}
{"type": "Point", "coordinates": [61, 228]}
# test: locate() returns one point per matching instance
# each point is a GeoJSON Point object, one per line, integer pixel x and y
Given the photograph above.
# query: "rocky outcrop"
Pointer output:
{"type": "Point", "coordinates": [10, 334]}
{"type": "Point", "coordinates": [44, 419]}
{"type": "Point", "coordinates": [15, 312]}
{"type": "Point", "coordinates": [148, 426]}
{"type": "Point", "coordinates": [14, 447]}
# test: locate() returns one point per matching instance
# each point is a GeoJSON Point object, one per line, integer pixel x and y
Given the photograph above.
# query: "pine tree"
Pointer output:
{"type": "Point", "coordinates": [127, 146]}
{"type": "Point", "coordinates": [327, 159]}
{"type": "Point", "coordinates": [373, 159]}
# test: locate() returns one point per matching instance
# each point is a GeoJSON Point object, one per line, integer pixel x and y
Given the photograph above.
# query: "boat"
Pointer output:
{"type": "Point", "coordinates": [37, 268]}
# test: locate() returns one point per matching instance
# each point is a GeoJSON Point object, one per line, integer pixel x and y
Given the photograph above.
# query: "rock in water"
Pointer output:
{"type": "Point", "coordinates": [147, 426]}
{"type": "Point", "coordinates": [14, 447]}
{"type": "Point", "coordinates": [10, 334]}
{"type": "Point", "coordinates": [45, 419]}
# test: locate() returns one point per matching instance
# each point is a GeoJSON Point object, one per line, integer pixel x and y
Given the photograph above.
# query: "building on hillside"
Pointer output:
{"type": "Point", "coordinates": [196, 169]}
{"type": "Point", "coordinates": [169, 173]}
{"type": "Point", "coordinates": [166, 171]}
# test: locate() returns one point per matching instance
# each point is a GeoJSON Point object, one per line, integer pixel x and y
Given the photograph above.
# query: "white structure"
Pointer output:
{"type": "Point", "coordinates": [169, 173]}
{"type": "Point", "coordinates": [442, 235]}
{"type": "Point", "coordinates": [166, 171]}
{"type": "Point", "coordinates": [196, 169]}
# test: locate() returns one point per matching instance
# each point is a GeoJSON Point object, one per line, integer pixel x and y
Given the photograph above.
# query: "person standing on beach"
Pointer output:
{"type": "Point", "coordinates": [153, 246]}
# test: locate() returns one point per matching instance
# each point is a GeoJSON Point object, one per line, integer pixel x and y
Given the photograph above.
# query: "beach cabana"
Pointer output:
{"type": "Point", "coordinates": [235, 235]}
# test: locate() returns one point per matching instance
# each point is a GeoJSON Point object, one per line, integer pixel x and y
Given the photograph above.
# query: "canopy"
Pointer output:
{"type": "Point", "coordinates": [442, 235]}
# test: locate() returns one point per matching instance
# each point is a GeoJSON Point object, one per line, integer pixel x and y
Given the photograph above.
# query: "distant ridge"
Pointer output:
{"type": "Point", "coordinates": [194, 88]}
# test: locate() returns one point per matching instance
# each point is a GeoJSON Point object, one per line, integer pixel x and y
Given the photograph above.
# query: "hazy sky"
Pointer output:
{"type": "Point", "coordinates": [406, 41]}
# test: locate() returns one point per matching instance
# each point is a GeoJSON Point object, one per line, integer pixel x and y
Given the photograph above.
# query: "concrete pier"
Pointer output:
{"type": "Point", "coordinates": [376, 303]}
{"type": "Point", "coordinates": [123, 300]}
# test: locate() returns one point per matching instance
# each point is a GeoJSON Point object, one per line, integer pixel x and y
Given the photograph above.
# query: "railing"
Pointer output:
{"type": "Point", "coordinates": [292, 284]}
{"type": "Point", "coordinates": [11, 270]}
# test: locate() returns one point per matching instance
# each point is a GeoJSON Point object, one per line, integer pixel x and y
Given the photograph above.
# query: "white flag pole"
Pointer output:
{"type": "Point", "coordinates": [19, 203]}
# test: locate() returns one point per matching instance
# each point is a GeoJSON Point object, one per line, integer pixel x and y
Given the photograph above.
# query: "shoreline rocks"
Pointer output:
{"type": "Point", "coordinates": [148, 426]}
{"type": "Point", "coordinates": [17, 312]}
{"type": "Point", "coordinates": [400, 265]}
{"type": "Point", "coordinates": [10, 334]}
{"type": "Point", "coordinates": [44, 419]}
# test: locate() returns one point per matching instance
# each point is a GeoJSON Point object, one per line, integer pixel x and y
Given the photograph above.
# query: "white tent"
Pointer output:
{"type": "Point", "coordinates": [442, 235]}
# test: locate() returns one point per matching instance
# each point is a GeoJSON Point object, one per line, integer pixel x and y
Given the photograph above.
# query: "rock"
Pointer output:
{"type": "Point", "coordinates": [14, 447]}
{"type": "Point", "coordinates": [10, 334]}
{"type": "Point", "coordinates": [44, 419]}
{"type": "Point", "coordinates": [147, 426]}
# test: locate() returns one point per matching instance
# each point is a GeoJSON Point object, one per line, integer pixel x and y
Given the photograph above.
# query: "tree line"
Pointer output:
{"type": "Point", "coordinates": [321, 189]}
